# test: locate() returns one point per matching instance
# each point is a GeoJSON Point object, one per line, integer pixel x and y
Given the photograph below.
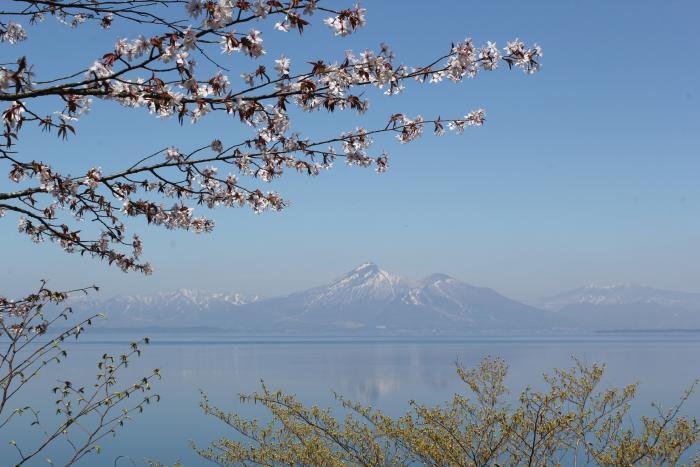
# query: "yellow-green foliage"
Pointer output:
{"type": "Point", "coordinates": [572, 422]}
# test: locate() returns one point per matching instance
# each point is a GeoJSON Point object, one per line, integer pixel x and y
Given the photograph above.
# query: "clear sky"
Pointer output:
{"type": "Point", "coordinates": [586, 172]}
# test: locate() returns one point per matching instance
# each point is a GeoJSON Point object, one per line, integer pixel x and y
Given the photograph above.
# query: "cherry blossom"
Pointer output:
{"type": "Point", "coordinates": [12, 33]}
{"type": "Point", "coordinates": [160, 72]}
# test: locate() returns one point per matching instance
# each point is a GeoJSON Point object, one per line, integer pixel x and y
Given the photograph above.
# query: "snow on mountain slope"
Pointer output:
{"type": "Point", "coordinates": [621, 294]}
{"type": "Point", "coordinates": [626, 306]}
{"type": "Point", "coordinates": [183, 307]}
{"type": "Point", "coordinates": [368, 299]}
{"type": "Point", "coordinates": [366, 282]}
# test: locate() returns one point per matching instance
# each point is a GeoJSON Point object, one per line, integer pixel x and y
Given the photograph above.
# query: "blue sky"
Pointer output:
{"type": "Point", "coordinates": [585, 172]}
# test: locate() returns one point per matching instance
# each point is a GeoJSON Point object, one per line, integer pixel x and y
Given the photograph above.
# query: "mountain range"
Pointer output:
{"type": "Point", "coordinates": [626, 306]}
{"type": "Point", "coordinates": [369, 299]}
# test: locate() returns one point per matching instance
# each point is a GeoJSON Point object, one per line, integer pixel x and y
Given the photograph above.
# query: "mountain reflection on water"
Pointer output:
{"type": "Point", "coordinates": [382, 372]}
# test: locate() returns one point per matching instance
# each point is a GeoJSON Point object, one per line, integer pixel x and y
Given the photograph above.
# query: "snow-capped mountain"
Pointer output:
{"type": "Point", "coordinates": [477, 307]}
{"type": "Point", "coordinates": [626, 306]}
{"type": "Point", "coordinates": [183, 307]}
{"type": "Point", "coordinates": [366, 282]}
{"type": "Point", "coordinates": [369, 299]}
{"type": "Point", "coordinates": [366, 299]}
{"type": "Point", "coordinates": [621, 294]}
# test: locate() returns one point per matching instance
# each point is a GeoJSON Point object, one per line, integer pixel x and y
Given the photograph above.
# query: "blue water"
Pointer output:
{"type": "Point", "coordinates": [378, 371]}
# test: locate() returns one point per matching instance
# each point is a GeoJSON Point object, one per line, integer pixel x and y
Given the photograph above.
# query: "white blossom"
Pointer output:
{"type": "Point", "coordinates": [194, 8]}
{"type": "Point", "coordinates": [248, 78]}
{"type": "Point", "coordinates": [282, 66]}
{"type": "Point", "coordinates": [412, 129]}
{"type": "Point", "coordinates": [189, 40]}
{"type": "Point", "coordinates": [347, 21]}
{"type": "Point", "coordinates": [310, 7]}
{"type": "Point", "coordinates": [173, 155]}
{"type": "Point", "coordinates": [93, 177]}
{"type": "Point", "coordinates": [98, 69]}
{"type": "Point", "coordinates": [13, 115]}
{"type": "Point", "coordinates": [229, 43]}
{"type": "Point", "coordinates": [252, 44]}
{"type": "Point", "coordinates": [13, 33]}
{"type": "Point", "coordinates": [77, 20]}
{"type": "Point", "coordinates": [219, 83]}
{"type": "Point", "coordinates": [490, 56]}
{"type": "Point", "coordinates": [283, 26]}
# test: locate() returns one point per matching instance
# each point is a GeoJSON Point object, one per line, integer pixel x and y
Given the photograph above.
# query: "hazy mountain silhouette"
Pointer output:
{"type": "Point", "coordinates": [369, 299]}
{"type": "Point", "coordinates": [626, 306]}
{"type": "Point", "coordinates": [366, 299]}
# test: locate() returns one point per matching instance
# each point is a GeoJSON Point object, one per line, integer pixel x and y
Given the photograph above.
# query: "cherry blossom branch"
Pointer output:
{"type": "Point", "coordinates": [160, 74]}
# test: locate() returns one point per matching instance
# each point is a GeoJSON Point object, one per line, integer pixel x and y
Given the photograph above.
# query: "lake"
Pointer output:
{"type": "Point", "coordinates": [383, 372]}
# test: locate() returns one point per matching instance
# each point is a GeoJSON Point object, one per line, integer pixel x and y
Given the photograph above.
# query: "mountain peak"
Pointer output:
{"type": "Point", "coordinates": [369, 298]}
{"type": "Point", "coordinates": [437, 277]}
{"type": "Point", "coordinates": [367, 281]}
{"type": "Point", "coordinates": [614, 286]}
{"type": "Point", "coordinates": [366, 267]}
{"type": "Point", "coordinates": [619, 294]}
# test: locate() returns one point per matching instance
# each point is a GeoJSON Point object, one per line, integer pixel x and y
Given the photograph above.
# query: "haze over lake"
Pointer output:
{"type": "Point", "coordinates": [382, 372]}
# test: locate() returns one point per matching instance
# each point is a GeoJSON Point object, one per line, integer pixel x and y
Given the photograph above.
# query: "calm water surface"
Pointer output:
{"type": "Point", "coordinates": [378, 371]}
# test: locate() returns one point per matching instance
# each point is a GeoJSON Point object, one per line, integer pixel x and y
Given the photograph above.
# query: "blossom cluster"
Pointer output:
{"type": "Point", "coordinates": [159, 72]}
{"type": "Point", "coordinates": [12, 32]}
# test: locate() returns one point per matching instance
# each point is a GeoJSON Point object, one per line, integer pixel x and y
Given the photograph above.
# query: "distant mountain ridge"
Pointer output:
{"type": "Point", "coordinates": [369, 299]}
{"type": "Point", "coordinates": [626, 307]}
{"type": "Point", "coordinates": [620, 294]}
{"type": "Point", "coordinates": [181, 308]}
